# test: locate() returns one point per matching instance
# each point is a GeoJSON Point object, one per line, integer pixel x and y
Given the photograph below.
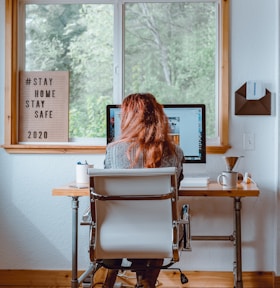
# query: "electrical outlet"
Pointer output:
{"type": "Point", "coordinates": [248, 141]}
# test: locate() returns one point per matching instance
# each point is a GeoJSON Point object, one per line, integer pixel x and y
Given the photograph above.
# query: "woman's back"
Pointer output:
{"type": "Point", "coordinates": [116, 158]}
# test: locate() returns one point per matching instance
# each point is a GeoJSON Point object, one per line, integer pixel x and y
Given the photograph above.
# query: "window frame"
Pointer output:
{"type": "Point", "coordinates": [11, 144]}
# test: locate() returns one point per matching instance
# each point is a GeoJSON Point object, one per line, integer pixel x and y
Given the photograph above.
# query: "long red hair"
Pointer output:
{"type": "Point", "coordinates": [145, 126]}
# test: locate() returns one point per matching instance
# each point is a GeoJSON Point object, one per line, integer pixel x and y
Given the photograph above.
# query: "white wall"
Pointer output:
{"type": "Point", "coordinates": [36, 227]}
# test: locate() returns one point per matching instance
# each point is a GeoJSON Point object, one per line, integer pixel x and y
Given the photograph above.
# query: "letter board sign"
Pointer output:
{"type": "Point", "coordinates": [43, 106]}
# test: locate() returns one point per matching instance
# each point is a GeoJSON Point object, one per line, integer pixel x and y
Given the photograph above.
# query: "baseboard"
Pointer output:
{"type": "Point", "coordinates": [167, 279]}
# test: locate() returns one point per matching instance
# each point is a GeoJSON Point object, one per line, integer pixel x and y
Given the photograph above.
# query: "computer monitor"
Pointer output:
{"type": "Point", "coordinates": [187, 128]}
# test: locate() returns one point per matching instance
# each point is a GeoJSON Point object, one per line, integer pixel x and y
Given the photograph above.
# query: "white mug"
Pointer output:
{"type": "Point", "coordinates": [228, 179]}
{"type": "Point", "coordinates": [82, 176]}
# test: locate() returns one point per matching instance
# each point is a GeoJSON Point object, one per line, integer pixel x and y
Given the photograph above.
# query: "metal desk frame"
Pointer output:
{"type": "Point", "coordinates": [212, 190]}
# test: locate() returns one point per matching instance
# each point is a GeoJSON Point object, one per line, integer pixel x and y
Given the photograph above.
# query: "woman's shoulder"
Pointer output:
{"type": "Point", "coordinates": [117, 145]}
{"type": "Point", "coordinates": [117, 148]}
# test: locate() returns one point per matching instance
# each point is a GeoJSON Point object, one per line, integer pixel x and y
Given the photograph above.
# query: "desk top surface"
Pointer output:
{"type": "Point", "coordinates": [216, 190]}
{"type": "Point", "coordinates": [212, 189]}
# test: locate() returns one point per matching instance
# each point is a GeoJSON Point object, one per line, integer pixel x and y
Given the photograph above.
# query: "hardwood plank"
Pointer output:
{"type": "Point", "coordinates": [203, 279]}
{"type": "Point", "coordinates": [167, 279]}
{"type": "Point", "coordinates": [34, 278]}
{"type": "Point", "coordinates": [277, 282]}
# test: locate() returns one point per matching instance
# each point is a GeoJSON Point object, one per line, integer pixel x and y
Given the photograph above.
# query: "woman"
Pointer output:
{"type": "Point", "coordinates": [144, 143]}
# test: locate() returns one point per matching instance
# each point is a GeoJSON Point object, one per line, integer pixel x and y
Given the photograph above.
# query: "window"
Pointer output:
{"type": "Point", "coordinates": [176, 50]}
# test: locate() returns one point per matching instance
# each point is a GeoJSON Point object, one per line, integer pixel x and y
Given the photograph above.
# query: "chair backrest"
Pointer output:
{"type": "Point", "coordinates": [135, 213]}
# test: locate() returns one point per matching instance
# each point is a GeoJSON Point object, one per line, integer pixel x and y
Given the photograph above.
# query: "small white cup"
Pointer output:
{"type": "Point", "coordinates": [82, 176]}
{"type": "Point", "coordinates": [228, 179]}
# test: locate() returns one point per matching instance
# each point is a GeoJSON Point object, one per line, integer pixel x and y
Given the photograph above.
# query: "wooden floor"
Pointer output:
{"type": "Point", "coordinates": [171, 279]}
{"type": "Point", "coordinates": [167, 279]}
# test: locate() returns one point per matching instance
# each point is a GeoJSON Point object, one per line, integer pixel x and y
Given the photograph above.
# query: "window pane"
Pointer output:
{"type": "Point", "coordinates": [79, 39]}
{"type": "Point", "coordinates": [170, 51]}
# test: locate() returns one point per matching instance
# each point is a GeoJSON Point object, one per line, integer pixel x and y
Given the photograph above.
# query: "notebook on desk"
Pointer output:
{"type": "Point", "coordinates": [194, 176]}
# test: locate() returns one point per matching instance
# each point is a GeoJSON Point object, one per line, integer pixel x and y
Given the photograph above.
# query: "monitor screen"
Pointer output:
{"type": "Point", "coordinates": [187, 128]}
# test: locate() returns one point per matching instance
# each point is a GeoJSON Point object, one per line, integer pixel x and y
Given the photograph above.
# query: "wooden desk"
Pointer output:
{"type": "Point", "coordinates": [69, 190]}
{"type": "Point", "coordinates": [212, 190]}
{"type": "Point", "coordinates": [215, 190]}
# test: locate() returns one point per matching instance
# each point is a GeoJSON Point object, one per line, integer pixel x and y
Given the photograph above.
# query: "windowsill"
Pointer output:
{"type": "Point", "coordinates": [53, 149]}
{"type": "Point", "coordinates": [219, 149]}
{"type": "Point", "coordinates": [79, 149]}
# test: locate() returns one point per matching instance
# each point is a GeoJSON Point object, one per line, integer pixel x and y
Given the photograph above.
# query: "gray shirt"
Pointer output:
{"type": "Point", "coordinates": [116, 158]}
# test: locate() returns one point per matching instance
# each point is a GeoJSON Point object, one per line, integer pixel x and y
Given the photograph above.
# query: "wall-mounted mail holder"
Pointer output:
{"type": "Point", "coordinates": [245, 106]}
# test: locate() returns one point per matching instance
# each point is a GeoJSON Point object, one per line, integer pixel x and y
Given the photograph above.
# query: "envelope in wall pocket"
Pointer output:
{"type": "Point", "coordinates": [252, 107]}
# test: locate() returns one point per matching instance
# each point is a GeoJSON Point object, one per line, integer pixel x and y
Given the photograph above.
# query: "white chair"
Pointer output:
{"type": "Point", "coordinates": [134, 215]}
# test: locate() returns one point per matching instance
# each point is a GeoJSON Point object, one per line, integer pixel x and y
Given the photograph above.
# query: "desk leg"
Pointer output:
{"type": "Point", "coordinates": [75, 208]}
{"type": "Point", "coordinates": [238, 245]}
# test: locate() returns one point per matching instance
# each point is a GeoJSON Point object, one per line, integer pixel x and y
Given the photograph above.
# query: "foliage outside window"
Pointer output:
{"type": "Point", "coordinates": [173, 45]}
{"type": "Point", "coordinates": [174, 50]}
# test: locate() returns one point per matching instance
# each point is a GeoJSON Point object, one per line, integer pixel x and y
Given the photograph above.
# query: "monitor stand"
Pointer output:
{"type": "Point", "coordinates": [195, 175]}
{"type": "Point", "coordinates": [194, 170]}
